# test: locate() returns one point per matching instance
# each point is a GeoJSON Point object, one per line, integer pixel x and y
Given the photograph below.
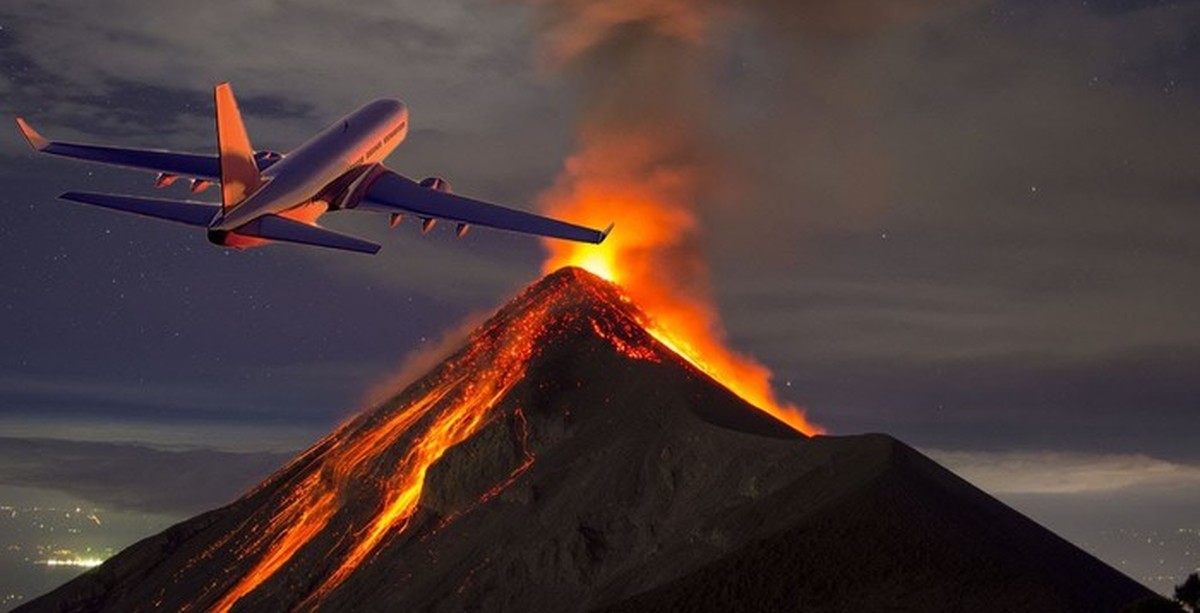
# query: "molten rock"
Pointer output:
{"type": "Point", "coordinates": [564, 460]}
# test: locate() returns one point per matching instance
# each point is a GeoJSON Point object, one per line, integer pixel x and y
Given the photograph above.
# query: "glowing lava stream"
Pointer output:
{"type": "Point", "coordinates": [457, 405]}
{"type": "Point", "coordinates": [452, 428]}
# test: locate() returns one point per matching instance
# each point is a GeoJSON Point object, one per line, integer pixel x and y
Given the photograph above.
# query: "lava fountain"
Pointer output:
{"type": "Point", "coordinates": [652, 255]}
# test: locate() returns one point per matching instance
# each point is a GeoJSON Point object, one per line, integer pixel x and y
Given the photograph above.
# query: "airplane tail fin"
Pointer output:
{"type": "Point", "coordinates": [239, 172]}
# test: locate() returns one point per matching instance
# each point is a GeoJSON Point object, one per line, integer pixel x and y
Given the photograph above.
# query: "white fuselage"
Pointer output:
{"type": "Point", "coordinates": [302, 185]}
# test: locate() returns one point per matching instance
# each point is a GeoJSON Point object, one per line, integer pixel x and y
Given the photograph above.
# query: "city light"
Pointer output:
{"type": "Point", "coordinates": [77, 562]}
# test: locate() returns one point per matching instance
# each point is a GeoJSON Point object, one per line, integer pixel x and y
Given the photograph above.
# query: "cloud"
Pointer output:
{"type": "Point", "coordinates": [58, 396]}
{"type": "Point", "coordinates": [193, 400]}
{"type": "Point", "coordinates": [974, 185]}
{"type": "Point", "coordinates": [1056, 472]}
{"type": "Point", "coordinates": [133, 477]}
{"type": "Point", "coordinates": [280, 48]}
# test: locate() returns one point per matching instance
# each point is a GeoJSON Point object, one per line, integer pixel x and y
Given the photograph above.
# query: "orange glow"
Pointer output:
{"type": "Point", "coordinates": [307, 212]}
{"type": "Point", "coordinates": [651, 254]}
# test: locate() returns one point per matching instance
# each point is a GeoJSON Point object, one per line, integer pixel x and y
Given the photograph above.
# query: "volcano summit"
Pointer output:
{"type": "Point", "coordinates": [565, 460]}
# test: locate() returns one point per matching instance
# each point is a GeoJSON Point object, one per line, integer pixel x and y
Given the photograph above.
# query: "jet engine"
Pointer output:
{"type": "Point", "coordinates": [164, 179]}
{"type": "Point", "coordinates": [436, 184]}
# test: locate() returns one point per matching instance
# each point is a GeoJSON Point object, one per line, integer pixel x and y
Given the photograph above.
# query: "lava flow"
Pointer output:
{"type": "Point", "coordinates": [378, 461]}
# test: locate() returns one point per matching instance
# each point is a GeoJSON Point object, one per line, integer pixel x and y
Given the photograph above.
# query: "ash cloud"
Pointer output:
{"type": "Point", "coordinates": [649, 152]}
{"type": "Point", "coordinates": [654, 101]}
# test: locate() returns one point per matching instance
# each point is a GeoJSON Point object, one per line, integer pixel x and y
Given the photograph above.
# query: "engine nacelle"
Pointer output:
{"type": "Point", "coordinates": [436, 184]}
{"type": "Point", "coordinates": [164, 179]}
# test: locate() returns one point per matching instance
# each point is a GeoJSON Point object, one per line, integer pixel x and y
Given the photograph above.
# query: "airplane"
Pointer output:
{"type": "Point", "coordinates": [268, 196]}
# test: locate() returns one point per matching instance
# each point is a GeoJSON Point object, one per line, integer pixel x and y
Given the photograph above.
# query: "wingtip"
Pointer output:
{"type": "Point", "coordinates": [606, 232]}
{"type": "Point", "coordinates": [35, 140]}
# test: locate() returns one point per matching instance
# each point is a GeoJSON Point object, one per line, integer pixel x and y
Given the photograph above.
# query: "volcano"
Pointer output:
{"type": "Point", "coordinates": [565, 460]}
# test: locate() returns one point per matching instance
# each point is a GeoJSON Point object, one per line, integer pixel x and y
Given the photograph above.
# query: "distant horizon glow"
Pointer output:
{"type": "Point", "coordinates": [76, 562]}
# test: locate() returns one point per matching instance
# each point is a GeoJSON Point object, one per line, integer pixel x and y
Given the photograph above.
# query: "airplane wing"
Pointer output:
{"type": "Point", "coordinates": [394, 193]}
{"type": "Point", "coordinates": [183, 164]}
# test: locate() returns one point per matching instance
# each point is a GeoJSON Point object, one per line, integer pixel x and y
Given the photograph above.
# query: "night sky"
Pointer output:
{"type": "Point", "coordinates": [971, 225]}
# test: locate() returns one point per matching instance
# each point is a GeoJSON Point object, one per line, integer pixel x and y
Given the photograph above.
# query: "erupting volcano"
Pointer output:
{"type": "Point", "coordinates": [565, 458]}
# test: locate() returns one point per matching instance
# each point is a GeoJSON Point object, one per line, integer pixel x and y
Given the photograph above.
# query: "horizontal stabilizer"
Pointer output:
{"type": "Point", "coordinates": [190, 213]}
{"type": "Point", "coordinates": [278, 228]}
